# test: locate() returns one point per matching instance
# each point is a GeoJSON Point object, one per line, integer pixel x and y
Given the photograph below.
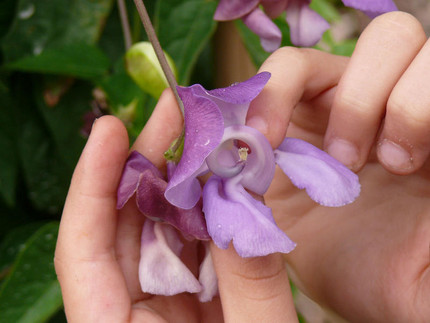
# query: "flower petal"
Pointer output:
{"type": "Point", "coordinates": [204, 127]}
{"type": "Point", "coordinates": [326, 180]}
{"type": "Point", "coordinates": [135, 165]}
{"type": "Point", "coordinates": [207, 277]}
{"type": "Point", "coordinates": [306, 26]}
{"type": "Point", "coordinates": [151, 202]}
{"type": "Point", "coordinates": [274, 8]}
{"type": "Point", "coordinates": [233, 101]}
{"type": "Point", "coordinates": [265, 28]}
{"type": "Point", "coordinates": [372, 8]}
{"type": "Point", "coordinates": [161, 272]}
{"type": "Point", "coordinates": [233, 9]}
{"type": "Point", "coordinates": [233, 214]}
{"type": "Point", "coordinates": [260, 164]}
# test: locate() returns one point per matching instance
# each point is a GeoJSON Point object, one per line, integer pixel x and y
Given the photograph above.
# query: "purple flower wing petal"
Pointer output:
{"type": "Point", "coordinates": [151, 202]}
{"type": "Point", "coordinates": [233, 214]}
{"type": "Point", "coordinates": [372, 8]}
{"type": "Point", "coordinates": [204, 127]}
{"type": "Point", "coordinates": [233, 101]}
{"type": "Point", "coordinates": [135, 165]}
{"type": "Point", "coordinates": [207, 277]}
{"type": "Point", "coordinates": [326, 180]}
{"type": "Point", "coordinates": [161, 272]}
{"type": "Point", "coordinates": [265, 28]}
{"type": "Point", "coordinates": [306, 26]}
{"type": "Point", "coordinates": [233, 9]}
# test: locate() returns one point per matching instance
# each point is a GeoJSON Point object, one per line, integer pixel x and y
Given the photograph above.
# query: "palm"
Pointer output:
{"type": "Point", "coordinates": [369, 260]}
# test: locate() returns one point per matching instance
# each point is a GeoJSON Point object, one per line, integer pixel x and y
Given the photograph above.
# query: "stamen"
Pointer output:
{"type": "Point", "coordinates": [243, 153]}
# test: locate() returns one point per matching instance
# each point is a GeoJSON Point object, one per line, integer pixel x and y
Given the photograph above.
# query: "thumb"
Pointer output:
{"type": "Point", "coordinates": [253, 289]}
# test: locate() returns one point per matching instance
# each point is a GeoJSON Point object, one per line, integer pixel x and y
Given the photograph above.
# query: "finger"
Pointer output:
{"type": "Point", "coordinates": [383, 52]}
{"type": "Point", "coordinates": [297, 74]}
{"type": "Point", "coordinates": [161, 130]}
{"type": "Point", "coordinates": [91, 281]}
{"type": "Point", "coordinates": [253, 289]}
{"type": "Point", "coordinates": [164, 126]}
{"type": "Point", "coordinates": [404, 144]}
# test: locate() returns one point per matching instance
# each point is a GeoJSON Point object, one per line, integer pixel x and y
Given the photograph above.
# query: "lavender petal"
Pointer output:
{"type": "Point", "coordinates": [207, 277]}
{"type": "Point", "coordinates": [306, 26]}
{"type": "Point", "coordinates": [233, 9]}
{"type": "Point", "coordinates": [326, 180]}
{"type": "Point", "coordinates": [265, 28]}
{"type": "Point", "coordinates": [232, 214]}
{"type": "Point", "coordinates": [372, 8]}
{"type": "Point", "coordinates": [161, 272]}
{"type": "Point", "coordinates": [204, 127]}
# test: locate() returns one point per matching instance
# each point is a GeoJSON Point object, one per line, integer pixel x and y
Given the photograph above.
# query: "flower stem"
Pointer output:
{"type": "Point", "coordinates": [125, 24]}
{"type": "Point", "coordinates": [158, 50]}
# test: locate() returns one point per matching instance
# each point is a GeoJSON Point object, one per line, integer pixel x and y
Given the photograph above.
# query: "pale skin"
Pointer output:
{"type": "Point", "coordinates": [368, 261]}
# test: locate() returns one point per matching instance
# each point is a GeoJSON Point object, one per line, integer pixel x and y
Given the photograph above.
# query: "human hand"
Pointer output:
{"type": "Point", "coordinates": [98, 247]}
{"type": "Point", "coordinates": [368, 261]}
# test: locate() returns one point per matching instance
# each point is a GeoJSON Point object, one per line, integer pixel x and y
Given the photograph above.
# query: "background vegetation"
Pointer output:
{"type": "Point", "coordinates": [62, 64]}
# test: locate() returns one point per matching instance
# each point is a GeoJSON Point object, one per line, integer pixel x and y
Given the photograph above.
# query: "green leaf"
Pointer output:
{"type": "Point", "coordinates": [122, 93]}
{"type": "Point", "coordinates": [49, 140]}
{"type": "Point", "coordinates": [7, 10]}
{"type": "Point", "coordinates": [79, 60]}
{"type": "Point", "coordinates": [31, 292]}
{"type": "Point", "coordinates": [9, 159]}
{"type": "Point", "coordinates": [13, 243]}
{"type": "Point", "coordinates": [42, 25]}
{"type": "Point", "coordinates": [184, 27]}
{"type": "Point", "coordinates": [327, 9]}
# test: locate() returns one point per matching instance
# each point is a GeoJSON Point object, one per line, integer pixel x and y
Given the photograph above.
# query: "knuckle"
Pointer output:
{"type": "Point", "coordinates": [356, 102]}
{"type": "Point", "coordinates": [290, 56]}
{"type": "Point", "coordinates": [414, 113]}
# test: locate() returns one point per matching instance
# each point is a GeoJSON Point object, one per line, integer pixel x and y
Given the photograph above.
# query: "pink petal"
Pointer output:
{"type": "Point", "coordinates": [233, 9]}
{"type": "Point", "coordinates": [265, 28]}
{"type": "Point", "coordinates": [306, 26]}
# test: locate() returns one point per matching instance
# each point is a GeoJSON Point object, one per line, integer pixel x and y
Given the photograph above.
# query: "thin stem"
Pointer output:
{"type": "Point", "coordinates": [158, 50]}
{"type": "Point", "coordinates": [125, 24]}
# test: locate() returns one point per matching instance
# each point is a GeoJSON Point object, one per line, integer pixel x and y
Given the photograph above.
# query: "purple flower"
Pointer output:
{"type": "Point", "coordinates": [306, 26]}
{"type": "Point", "coordinates": [161, 271]}
{"type": "Point", "coordinates": [241, 160]}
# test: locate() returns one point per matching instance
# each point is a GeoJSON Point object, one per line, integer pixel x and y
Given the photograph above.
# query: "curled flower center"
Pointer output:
{"type": "Point", "coordinates": [227, 160]}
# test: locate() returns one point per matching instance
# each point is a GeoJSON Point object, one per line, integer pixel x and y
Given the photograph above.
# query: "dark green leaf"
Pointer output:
{"type": "Point", "coordinates": [7, 10]}
{"type": "Point", "coordinates": [13, 243]}
{"type": "Point", "coordinates": [184, 27]}
{"type": "Point", "coordinates": [126, 100]}
{"type": "Point", "coordinates": [79, 59]}
{"type": "Point", "coordinates": [9, 158]}
{"type": "Point", "coordinates": [49, 141]}
{"type": "Point", "coordinates": [31, 292]}
{"type": "Point", "coordinates": [42, 25]}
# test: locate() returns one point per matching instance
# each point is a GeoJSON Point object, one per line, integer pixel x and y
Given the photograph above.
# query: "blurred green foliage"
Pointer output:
{"type": "Point", "coordinates": [62, 64]}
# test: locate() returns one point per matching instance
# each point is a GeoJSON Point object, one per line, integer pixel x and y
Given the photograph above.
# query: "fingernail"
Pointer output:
{"type": "Point", "coordinates": [345, 152]}
{"type": "Point", "coordinates": [394, 156]}
{"type": "Point", "coordinates": [258, 123]}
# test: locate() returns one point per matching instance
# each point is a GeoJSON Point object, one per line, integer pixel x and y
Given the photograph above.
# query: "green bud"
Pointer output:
{"type": "Point", "coordinates": [143, 67]}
